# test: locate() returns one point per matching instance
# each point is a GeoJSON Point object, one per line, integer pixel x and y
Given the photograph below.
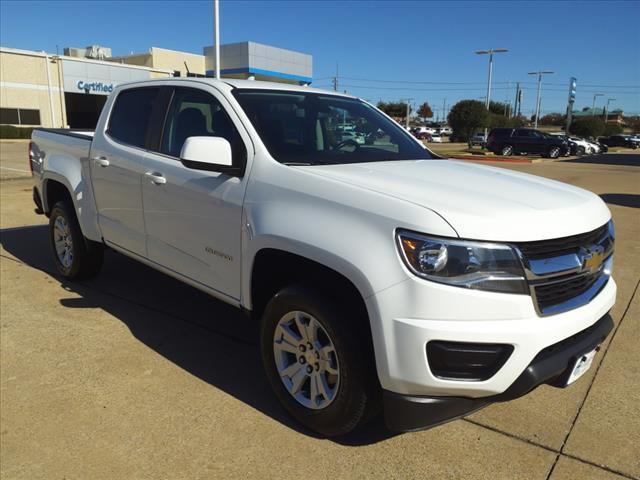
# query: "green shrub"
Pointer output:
{"type": "Point", "coordinates": [612, 129]}
{"type": "Point", "coordinates": [10, 131]}
{"type": "Point", "coordinates": [587, 127]}
{"type": "Point", "coordinates": [466, 117]}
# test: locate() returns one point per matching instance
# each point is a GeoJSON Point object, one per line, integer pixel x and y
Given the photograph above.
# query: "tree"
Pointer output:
{"type": "Point", "coordinates": [497, 121]}
{"type": "Point", "coordinates": [499, 108]}
{"type": "Point", "coordinates": [394, 109]}
{"type": "Point", "coordinates": [466, 117]}
{"type": "Point", "coordinates": [612, 129]}
{"type": "Point", "coordinates": [633, 123]}
{"type": "Point", "coordinates": [587, 127]}
{"type": "Point", "coordinates": [425, 111]}
{"type": "Point", "coordinates": [557, 119]}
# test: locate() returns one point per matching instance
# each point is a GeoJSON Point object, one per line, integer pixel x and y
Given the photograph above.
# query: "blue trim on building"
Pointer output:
{"type": "Point", "coordinates": [259, 71]}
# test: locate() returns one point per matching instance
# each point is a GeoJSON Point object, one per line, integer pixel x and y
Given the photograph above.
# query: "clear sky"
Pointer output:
{"type": "Point", "coordinates": [380, 47]}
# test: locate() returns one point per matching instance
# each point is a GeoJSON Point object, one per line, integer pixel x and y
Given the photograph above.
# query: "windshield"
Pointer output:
{"type": "Point", "coordinates": [317, 129]}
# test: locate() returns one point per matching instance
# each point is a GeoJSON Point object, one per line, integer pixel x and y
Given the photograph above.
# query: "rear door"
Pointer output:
{"type": "Point", "coordinates": [117, 168]}
{"type": "Point", "coordinates": [524, 140]}
{"type": "Point", "coordinates": [193, 218]}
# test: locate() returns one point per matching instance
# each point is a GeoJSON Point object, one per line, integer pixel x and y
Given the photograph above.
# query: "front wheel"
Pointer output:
{"type": "Point", "coordinates": [75, 256]}
{"type": "Point", "coordinates": [314, 357]}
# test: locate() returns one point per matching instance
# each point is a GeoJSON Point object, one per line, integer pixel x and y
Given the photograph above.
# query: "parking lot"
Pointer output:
{"type": "Point", "coordinates": [136, 375]}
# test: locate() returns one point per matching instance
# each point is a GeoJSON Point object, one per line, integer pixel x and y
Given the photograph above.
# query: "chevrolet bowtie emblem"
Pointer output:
{"type": "Point", "coordinates": [591, 258]}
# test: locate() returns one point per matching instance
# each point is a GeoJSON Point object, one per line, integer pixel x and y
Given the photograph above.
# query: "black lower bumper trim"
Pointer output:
{"type": "Point", "coordinates": [550, 366]}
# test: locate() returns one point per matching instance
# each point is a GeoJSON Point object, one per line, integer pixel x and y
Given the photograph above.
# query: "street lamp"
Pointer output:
{"type": "Point", "coordinates": [490, 52]}
{"type": "Point", "coordinates": [593, 105]}
{"type": "Point", "coordinates": [539, 73]}
{"type": "Point", "coordinates": [606, 110]}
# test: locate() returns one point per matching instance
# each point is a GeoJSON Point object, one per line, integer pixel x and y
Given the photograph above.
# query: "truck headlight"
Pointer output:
{"type": "Point", "coordinates": [477, 265]}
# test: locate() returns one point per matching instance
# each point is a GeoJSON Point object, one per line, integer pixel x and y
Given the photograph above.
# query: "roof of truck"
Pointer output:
{"type": "Point", "coordinates": [229, 84]}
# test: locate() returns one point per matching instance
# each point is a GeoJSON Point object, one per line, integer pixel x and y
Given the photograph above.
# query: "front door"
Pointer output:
{"type": "Point", "coordinates": [193, 218]}
{"type": "Point", "coordinates": [117, 168]}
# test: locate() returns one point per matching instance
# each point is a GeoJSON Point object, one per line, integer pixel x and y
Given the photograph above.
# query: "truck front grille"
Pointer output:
{"type": "Point", "coordinates": [561, 246]}
{"type": "Point", "coordinates": [560, 273]}
{"type": "Point", "coordinates": [549, 295]}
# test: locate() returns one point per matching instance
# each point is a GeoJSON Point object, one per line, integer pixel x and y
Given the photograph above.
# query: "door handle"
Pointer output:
{"type": "Point", "coordinates": [102, 161]}
{"type": "Point", "coordinates": [156, 178]}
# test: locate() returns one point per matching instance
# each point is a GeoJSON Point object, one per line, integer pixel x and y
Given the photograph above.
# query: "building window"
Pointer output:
{"type": "Point", "coordinates": [19, 116]}
{"type": "Point", "coordinates": [29, 116]}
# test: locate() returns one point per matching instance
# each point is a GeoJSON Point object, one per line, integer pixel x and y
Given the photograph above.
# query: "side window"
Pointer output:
{"type": "Point", "coordinates": [523, 133]}
{"type": "Point", "coordinates": [194, 113]}
{"type": "Point", "coordinates": [131, 115]}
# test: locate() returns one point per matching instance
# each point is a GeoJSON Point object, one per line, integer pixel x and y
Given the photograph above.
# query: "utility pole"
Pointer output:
{"type": "Point", "coordinates": [335, 80]}
{"type": "Point", "coordinates": [606, 110]}
{"type": "Point", "coordinates": [444, 110]}
{"type": "Point", "coordinates": [408, 100]}
{"type": "Point", "coordinates": [573, 81]}
{"type": "Point", "coordinates": [539, 73]}
{"type": "Point", "coordinates": [515, 101]}
{"type": "Point", "coordinates": [216, 36]}
{"type": "Point", "coordinates": [593, 105]}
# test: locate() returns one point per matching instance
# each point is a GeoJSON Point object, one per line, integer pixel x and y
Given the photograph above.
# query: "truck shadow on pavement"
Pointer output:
{"type": "Point", "coordinates": [205, 337]}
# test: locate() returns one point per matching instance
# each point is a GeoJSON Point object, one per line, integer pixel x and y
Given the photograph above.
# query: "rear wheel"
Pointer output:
{"type": "Point", "coordinates": [313, 355]}
{"type": "Point", "coordinates": [506, 150]}
{"type": "Point", "coordinates": [75, 256]}
{"type": "Point", "coordinates": [580, 151]}
{"type": "Point", "coordinates": [554, 152]}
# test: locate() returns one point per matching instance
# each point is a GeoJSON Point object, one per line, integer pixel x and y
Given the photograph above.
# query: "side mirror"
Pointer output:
{"type": "Point", "coordinates": [207, 153]}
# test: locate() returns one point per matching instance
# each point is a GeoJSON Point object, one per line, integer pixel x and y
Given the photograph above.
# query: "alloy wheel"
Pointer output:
{"type": "Point", "coordinates": [63, 242]}
{"type": "Point", "coordinates": [306, 360]}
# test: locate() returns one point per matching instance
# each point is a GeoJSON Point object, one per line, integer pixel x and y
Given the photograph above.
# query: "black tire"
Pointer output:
{"type": "Point", "coordinates": [580, 151]}
{"type": "Point", "coordinates": [357, 398]}
{"type": "Point", "coordinates": [506, 150]}
{"type": "Point", "coordinates": [554, 152]}
{"type": "Point", "coordinates": [86, 256]}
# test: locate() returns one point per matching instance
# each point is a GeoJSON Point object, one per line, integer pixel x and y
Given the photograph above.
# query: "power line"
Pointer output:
{"type": "Point", "coordinates": [420, 82]}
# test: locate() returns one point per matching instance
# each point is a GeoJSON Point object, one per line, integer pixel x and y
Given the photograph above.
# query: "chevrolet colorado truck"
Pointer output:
{"type": "Point", "coordinates": [383, 278]}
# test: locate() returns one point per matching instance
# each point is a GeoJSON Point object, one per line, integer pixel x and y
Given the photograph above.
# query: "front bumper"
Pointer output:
{"type": "Point", "coordinates": [552, 366]}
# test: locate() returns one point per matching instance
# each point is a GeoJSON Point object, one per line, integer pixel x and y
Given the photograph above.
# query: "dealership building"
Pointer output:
{"type": "Point", "coordinates": [41, 89]}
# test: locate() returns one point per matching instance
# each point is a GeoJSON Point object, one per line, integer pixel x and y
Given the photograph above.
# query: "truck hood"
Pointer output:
{"type": "Point", "coordinates": [478, 201]}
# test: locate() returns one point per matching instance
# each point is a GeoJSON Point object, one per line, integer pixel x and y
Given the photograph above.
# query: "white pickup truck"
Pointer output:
{"type": "Point", "coordinates": [382, 277]}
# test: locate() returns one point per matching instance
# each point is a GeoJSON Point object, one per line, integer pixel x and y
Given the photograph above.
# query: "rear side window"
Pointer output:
{"type": "Point", "coordinates": [131, 115]}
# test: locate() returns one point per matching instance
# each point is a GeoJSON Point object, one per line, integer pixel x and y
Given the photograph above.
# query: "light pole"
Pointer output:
{"type": "Point", "coordinates": [606, 110]}
{"type": "Point", "coordinates": [216, 36]}
{"type": "Point", "coordinates": [490, 52]}
{"type": "Point", "coordinates": [539, 73]}
{"type": "Point", "coordinates": [593, 105]}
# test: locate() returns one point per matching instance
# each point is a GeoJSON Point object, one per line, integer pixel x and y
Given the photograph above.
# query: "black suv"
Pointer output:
{"type": "Point", "coordinates": [509, 141]}
{"type": "Point", "coordinates": [620, 141]}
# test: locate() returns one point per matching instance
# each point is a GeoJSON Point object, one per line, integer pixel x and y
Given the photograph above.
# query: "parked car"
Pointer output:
{"type": "Point", "coordinates": [478, 139]}
{"type": "Point", "coordinates": [620, 141]}
{"type": "Point", "coordinates": [446, 131]}
{"type": "Point", "coordinates": [436, 138]}
{"type": "Point", "coordinates": [420, 135]}
{"type": "Point", "coordinates": [514, 141]}
{"type": "Point", "coordinates": [381, 276]}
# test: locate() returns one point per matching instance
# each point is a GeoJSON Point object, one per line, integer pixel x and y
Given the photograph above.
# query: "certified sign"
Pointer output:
{"type": "Point", "coordinates": [94, 87]}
